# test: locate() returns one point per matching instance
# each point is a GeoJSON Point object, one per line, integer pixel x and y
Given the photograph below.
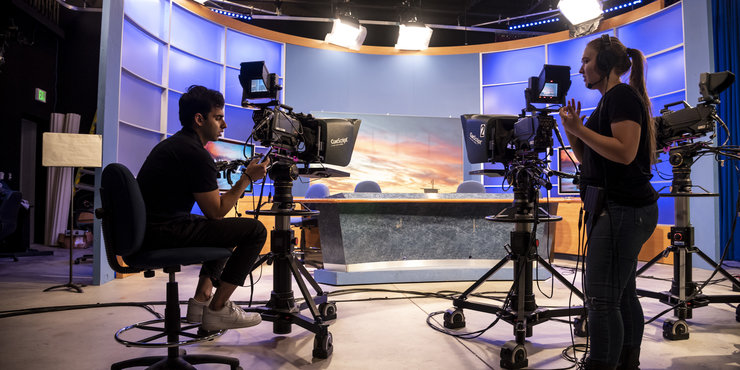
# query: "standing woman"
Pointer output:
{"type": "Point", "coordinates": [616, 148]}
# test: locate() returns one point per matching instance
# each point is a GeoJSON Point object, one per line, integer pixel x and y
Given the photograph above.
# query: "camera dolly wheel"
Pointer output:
{"type": "Point", "coordinates": [580, 326]}
{"type": "Point", "coordinates": [675, 330]}
{"type": "Point", "coordinates": [513, 356]}
{"type": "Point", "coordinates": [328, 310]}
{"type": "Point", "coordinates": [322, 345]}
{"type": "Point", "coordinates": [454, 318]}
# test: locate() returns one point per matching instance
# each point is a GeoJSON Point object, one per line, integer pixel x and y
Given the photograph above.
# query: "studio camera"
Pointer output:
{"type": "Point", "coordinates": [502, 138]}
{"type": "Point", "coordinates": [693, 122]}
{"type": "Point", "coordinates": [293, 136]}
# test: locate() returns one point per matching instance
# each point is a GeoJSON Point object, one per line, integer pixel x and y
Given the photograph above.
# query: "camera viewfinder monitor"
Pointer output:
{"type": "Point", "coordinates": [565, 164]}
{"type": "Point", "coordinates": [551, 86]}
{"type": "Point", "coordinates": [257, 83]}
{"type": "Point", "coordinates": [230, 150]}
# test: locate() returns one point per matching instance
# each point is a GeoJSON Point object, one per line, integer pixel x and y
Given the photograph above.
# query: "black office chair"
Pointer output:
{"type": "Point", "coordinates": [124, 223]}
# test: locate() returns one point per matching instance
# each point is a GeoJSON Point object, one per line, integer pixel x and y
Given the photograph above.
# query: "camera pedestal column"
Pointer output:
{"type": "Point", "coordinates": [281, 309]}
{"type": "Point", "coordinates": [684, 294]}
{"type": "Point", "coordinates": [520, 309]}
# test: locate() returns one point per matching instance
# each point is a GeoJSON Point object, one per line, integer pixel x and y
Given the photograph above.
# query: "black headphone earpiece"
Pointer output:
{"type": "Point", "coordinates": [605, 59]}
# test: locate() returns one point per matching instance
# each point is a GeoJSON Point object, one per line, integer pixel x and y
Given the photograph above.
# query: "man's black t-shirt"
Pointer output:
{"type": "Point", "coordinates": [625, 184]}
{"type": "Point", "coordinates": [175, 169]}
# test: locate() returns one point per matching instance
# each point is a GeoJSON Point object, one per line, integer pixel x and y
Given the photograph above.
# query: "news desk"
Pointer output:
{"type": "Point", "coordinates": [369, 238]}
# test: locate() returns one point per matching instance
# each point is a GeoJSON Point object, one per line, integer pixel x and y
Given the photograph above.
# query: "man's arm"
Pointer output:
{"type": "Point", "coordinates": [215, 206]}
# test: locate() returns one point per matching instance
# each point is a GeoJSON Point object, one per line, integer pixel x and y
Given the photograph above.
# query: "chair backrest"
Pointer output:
{"type": "Point", "coordinates": [123, 214]}
{"type": "Point", "coordinates": [471, 186]}
{"type": "Point", "coordinates": [10, 203]}
{"type": "Point", "coordinates": [317, 191]}
{"type": "Point", "coordinates": [367, 187]}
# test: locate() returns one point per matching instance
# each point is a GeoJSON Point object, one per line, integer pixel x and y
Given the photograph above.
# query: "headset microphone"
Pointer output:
{"type": "Point", "coordinates": [591, 85]}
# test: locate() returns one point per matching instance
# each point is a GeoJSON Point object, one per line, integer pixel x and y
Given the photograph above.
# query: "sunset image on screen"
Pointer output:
{"type": "Point", "coordinates": [403, 154]}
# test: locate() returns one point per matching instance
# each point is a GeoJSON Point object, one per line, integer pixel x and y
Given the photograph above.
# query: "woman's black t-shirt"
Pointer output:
{"type": "Point", "coordinates": [625, 184]}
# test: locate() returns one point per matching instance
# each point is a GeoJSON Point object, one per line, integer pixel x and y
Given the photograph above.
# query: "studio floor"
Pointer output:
{"type": "Point", "coordinates": [378, 326]}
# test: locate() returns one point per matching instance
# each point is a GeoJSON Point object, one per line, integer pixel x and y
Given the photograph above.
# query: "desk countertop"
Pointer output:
{"type": "Point", "coordinates": [425, 198]}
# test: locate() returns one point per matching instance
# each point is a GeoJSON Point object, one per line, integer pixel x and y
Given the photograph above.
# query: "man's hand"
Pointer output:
{"type": "Point", "coordinates": [255, 170]}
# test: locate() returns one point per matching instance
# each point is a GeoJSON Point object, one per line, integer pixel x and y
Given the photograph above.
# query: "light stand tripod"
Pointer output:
{"type": "Point", "coordinates": [523, 312]}
{"type": "Point", "coordinates": [281, 309]}
{"type": "Point", "coordinates": [684, 294]}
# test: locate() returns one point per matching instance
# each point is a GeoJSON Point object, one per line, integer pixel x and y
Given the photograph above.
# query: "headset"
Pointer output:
{"type": "Point", "coordinates": [606, 58]}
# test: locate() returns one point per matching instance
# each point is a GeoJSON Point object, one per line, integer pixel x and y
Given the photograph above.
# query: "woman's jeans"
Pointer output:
{"type": "Point", "coordinates": [615, 317]}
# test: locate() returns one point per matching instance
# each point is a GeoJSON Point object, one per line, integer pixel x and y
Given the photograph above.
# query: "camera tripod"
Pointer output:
{"type": "Point", "coordinates": [281, 309]}
{"type": "Point", "coordinates": [684, 293]}
{"type": "Point", "coordinates": [523, 312]}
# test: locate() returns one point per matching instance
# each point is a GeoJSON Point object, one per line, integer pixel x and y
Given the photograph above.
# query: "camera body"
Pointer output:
{"type": "Point", "coordinates": [503, 138]}
{"type": "Point", "coordinates": [693, 122]}
{"type": "Point", "coordinates": [293, 136]}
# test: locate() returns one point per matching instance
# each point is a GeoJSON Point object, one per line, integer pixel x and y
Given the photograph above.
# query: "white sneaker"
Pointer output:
{"type": "Point", "coordinates": [195, 310]}
{"type": "Point", "coordinates": [230, 316]}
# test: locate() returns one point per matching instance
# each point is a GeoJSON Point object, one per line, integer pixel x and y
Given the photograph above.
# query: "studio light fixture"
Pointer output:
{"type": "Point", "coordinates": [413, 36]}
{"type": "Point", "coordinates": [347, 32]}
{"type": "Point", "coordinates": [580, 11]}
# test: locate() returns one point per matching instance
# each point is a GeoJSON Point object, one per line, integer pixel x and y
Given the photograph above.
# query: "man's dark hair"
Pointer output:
{"type": "Point", "coordinates": [198, 99]}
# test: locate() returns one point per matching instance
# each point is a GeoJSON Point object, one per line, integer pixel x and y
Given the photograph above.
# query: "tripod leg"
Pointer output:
{"type": "Point", "coordinates": [304, 290]}
{"type": "Point", "coordinates": [486, 276]}
{"type": "Point", "coordinates": [653, 261]}
{"type": "Point", "coordinates": [310, 279]}
{"type": "Point", "coordinates": [721, 270]}
{"type": "Point", "coordinates": [560, 278]}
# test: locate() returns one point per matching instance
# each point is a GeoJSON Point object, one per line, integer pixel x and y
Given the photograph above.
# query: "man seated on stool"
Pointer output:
{"type": "Point", "coordinates": [178, 172]}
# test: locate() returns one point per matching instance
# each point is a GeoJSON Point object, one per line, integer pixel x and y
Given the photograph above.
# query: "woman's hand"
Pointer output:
{"type": "Point", "coordinates": [570, 116]}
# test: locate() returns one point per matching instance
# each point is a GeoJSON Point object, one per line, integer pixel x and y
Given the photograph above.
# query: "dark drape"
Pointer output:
{"type": "Point", "coordinates": [726, 22]}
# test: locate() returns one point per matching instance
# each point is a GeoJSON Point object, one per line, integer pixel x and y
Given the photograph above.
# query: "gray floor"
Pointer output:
{"type": "Point", "coordinates": [369, 334]}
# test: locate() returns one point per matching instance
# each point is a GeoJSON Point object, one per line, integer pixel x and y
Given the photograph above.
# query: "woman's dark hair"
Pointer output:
{"type": "Point", "coordinates": [198, 99]}
{"type": "Point", "coordinates": [612, 54]}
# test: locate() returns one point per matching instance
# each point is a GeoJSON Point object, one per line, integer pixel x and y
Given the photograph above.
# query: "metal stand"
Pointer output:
{"type": "Point", "coordinates": [281, 309]}
{"type": "Point", "coordinates": [523, 312]}
{"type": "Point", "coordinates": [684, 294]}
{"type": "Point", "coordinates": [70, 286]}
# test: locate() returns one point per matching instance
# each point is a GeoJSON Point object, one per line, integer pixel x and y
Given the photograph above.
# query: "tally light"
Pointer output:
{"type": "Point", "coordinates": [346, 35]}
{"type": "Point", "coordinates": [414, 37]}
{"type": "Point", "coordinates": [579, 11]}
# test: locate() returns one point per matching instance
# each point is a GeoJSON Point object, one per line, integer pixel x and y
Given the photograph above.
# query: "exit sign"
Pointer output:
{"type": "Point", "coordinates": [41, 95]}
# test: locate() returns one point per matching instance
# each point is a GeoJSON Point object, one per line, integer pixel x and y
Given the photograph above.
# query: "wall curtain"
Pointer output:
{"type": "Point", "coordinates": [726, 21]}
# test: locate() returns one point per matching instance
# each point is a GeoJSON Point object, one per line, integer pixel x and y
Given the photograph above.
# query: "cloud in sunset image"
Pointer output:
{"type": "Point", "coordinates": [403, 154]}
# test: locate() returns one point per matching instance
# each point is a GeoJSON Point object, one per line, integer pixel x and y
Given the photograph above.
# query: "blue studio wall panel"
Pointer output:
{"type": "Point", "coordinates": [173, 107]}
{"type": "Point", "coordinates": [512, 66]}
{"type": "Point", "coordinates": [134, 146]}
{"type": "Point", "coordinates": [196, 35]}
{"type": "Point", "coordinates": [569, 52]}
{"type": "Point", "coordinates": [186, 70]}
{"type": "Point", "coordinates": [149, 15]}
{"type": "Point", "coordinates": [665, 30]}
{"type": "Point", "coordinates": [504, 99]}
{"type": "Point", "coordinates": [325, 80]}
{"type": "Point", "coordinates": [666, 72]}
{"type": "Point", "coordinates": [245, 48]}
{"type": "Point", "coordinates": [238, 123]}
{"type": "Point", "coordinates": [141, 103]}
{"type": "Point", "coordinates": [146, 59]}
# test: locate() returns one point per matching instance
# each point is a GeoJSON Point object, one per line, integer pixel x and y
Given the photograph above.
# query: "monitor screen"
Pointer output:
{"type": "Point", "coordinates": [229, 150]}
{"type": "Point", "coordinates": [550, 90]}
{"type": "Point", "coordinates": [258, 85]}
{"type": "Point", "coordinates": [565, 164]}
